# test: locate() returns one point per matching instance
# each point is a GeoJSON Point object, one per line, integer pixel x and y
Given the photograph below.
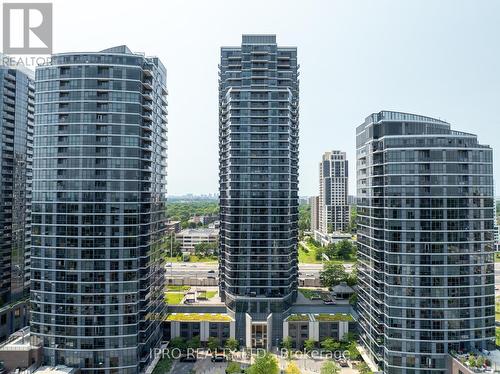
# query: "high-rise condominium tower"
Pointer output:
{"type": "Point", "coordinates": [258, 141]}
{"type": "Point", "coordinates": [98, 209]}
{"type": "Point", "coordinates": [16, 153]}
{"type": "Point", "coordinates": [333, 183]}
{"type": "Point", "coordinates": [314, 206]}
{"type": "Point", "coordinates": [425, 236]}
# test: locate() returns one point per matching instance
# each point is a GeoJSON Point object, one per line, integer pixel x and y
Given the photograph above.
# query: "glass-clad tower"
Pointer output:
{"type": "Point", "coordinates": [258, 171]}
{"type": "Point", "coordinates": [98, 209]}
{"type": "Point", "coordinates": [17, 108]}
{"type": "Point", "coordinates": [425, 242]}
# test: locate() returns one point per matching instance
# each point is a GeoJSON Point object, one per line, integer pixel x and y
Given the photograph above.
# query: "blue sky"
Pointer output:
{"type": "Point", "coordinates": [436, 58]}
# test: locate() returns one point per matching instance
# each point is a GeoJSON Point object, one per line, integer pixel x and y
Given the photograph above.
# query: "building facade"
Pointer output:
{"type": "Point", "coordinates": [318, 327]}
{"type": "Point", "coordinates": [333, 188]}
{"type": "Point", "coordinates": [258, 176]}
{"type": "Point", "coordinates": [425, 242]}
{"type": "Point", "coordinates": [17, 109]}
{"type": "Point", "coordinates": [99, 210]}
{"type": "Point", "coordinates": [314, 205]}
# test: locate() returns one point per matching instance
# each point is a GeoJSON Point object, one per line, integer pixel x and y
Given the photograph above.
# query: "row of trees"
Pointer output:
{"type": "Point", "coordinates": [304, 218]}
{"type": "Point", "coordinates": [206, 249]}
{"type": "Point", "coordinates": [203, 249]}
{"type": "Point", "coordinates": [268, 364]}
{"type": "Point", "coordinates": [327, 344]}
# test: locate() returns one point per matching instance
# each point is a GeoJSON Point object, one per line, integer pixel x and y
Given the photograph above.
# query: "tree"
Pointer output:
{"type": "Point", "coordinates": [233, 345]}
{"type": "Point", "coordinates": [194, 342]}
{"type": "Point", "coordinates": [353, 299]}
{"type": "Point", "coordinates": [233, 368]}
{"type": "Point", "coordinates": [330, 367]}
{"type": "Point", "coordinates": [319, 253]}
{"type": "Point", "coordinates": [330, 344]}
{"type": "Point", "coordinates": [266, 364]}
{"type": "Point", "coordinates": [179, 343]}
{"type": "Point", "coordinates": [351, 337]}
{"type": "Point", "coordinates": [353, 351]}
{"type": "Point", "coordinates": [352, 278]}
{"type": "Point", "coordinates": [176, 246]}
{"type": "Point", "coordinates": [309, 345]}
{"type": "Point", "coordinates": [292, 368]}
{"type": "Point", "coordinates": [344, 249]}
{"type": "Point", "coordinates": [304, 217]}
{"type": "Point", "coordinates": [330, 250]}
{"type": "Point", "coordinates": [213, 344]}
{"type": "Point", "coordinates": [287, 344]}
{"type": "Point", "coordinates": [205, 249]}
{"type": "Point", "coordinates": [332, 274]}
{"type": "Point", "coordinates": [363, 368]}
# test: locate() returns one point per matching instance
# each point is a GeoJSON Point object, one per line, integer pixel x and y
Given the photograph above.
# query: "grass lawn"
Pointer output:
{"type": "Point", "coordinates": [196, 317]}
{"type": "Point", "coordinates": [210, 294]}
{"type": "Point", "coordinates": [497, 308]}
{"type": "Point", "coordinates": [178, 288]}
{"type": "Point", "coordinates": [173, 298]}
{"type": "Point", "coordinates": [298, 317]}
{"type": "Point", "coordinates": [207, 294]}
{"type": "Point", "coordinates": [497, 336]}
{"type": "Point", "coordinates": [333, 317]}
{"type": "Point", "coordinates": [308, 293]}
{"type": "Point", "coordinates": [307, 254]}
{"type": "Point", "coordinates": [497, 256]}
{"type": "Point", "coordinates": [163, 366]}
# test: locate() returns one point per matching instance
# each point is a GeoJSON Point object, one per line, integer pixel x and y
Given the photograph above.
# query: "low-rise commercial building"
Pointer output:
{"type": "Point", "coordinates": [18, 353]}
{"type": "Point", "coordinates": [190, 237]}
{"type": "Point", "coordinates": [328, 238]}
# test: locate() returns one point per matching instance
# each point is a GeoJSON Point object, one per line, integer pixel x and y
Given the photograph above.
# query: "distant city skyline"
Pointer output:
{"type": "Point", "coordinates": [447, 55]}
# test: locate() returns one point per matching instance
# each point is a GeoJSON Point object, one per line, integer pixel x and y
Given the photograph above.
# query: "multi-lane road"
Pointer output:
{"type": "Point", "coordinates": [208, 269]}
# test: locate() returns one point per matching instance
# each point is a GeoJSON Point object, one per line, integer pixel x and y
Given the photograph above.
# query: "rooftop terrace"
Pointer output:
{"type": "Point", "coordinates": [198, 317]}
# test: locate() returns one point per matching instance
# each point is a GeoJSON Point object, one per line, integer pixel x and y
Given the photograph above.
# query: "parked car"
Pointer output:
{"type": "Point", "coordinates": [218, 358]}
{"type": "Point", "coordinates": [329, 302]}
{"type": "Point", "coordinates": [187, 358]}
